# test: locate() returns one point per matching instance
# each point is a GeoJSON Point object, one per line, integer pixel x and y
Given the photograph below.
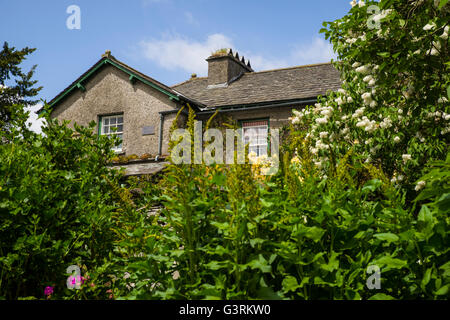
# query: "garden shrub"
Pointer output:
{"type": "Point", "coordinates": [57, 205]}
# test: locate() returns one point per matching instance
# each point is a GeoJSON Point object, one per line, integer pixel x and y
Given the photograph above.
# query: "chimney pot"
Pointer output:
{"type": "Point", "coordinates": [223, 69]}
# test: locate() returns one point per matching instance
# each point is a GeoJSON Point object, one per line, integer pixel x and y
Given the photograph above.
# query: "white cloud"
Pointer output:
{"type": "Point", "coordinates": [190, 19]}
{"type": "Point", "coordinates": [178, 52]}
{"type": "Point", "coordinates": [33, 118]}
{"type": "Point", "coordinates": [317, 51]}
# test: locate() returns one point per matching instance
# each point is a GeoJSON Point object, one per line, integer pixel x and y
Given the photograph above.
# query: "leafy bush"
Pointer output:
{"type": "Point", "coordinates": [226, 233]}
{"type": "Point", "coordinates": [393, 108]}
{"type": "Point", "coordinates": [56, 205]}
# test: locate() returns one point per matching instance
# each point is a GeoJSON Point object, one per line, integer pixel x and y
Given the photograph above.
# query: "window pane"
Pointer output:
{"type": "Point", "coordinates": [256, 135]}
{"type": "Point", "coordinates": [120, 120]}
{"type": "Point", "coordinates": [105, 121]}
{"type": "Point", "coordinates": [262, 131]}
{"type": "Point", "coordinates": [120, 128]}
{"type": "Point", "coordinates": [262, 150]}
{"type": "Point", "coordinates": [253, 149]}
{"type": "Point", "coordinates": [112, 120]}
{"type": "Point", "coordinates": [105, 130]}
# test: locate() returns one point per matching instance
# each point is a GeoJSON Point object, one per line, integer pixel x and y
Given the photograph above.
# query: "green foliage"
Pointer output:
{"type": "Point", "coordinates": [226, 234]}
{"type": "Point", "coordinates": [17, 93]}
{"type": "Point", "coordinates": [57, 205]}
{"type": "Point", "coordinates": [351, 192]}
{"type": "Point", "coordinates": [393, 109]}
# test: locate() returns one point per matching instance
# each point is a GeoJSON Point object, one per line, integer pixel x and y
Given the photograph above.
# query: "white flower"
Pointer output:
{"type": "Point", "coordinates": [371, 82]}
{"type": "Point", "coordinates": [437, 45]}
{"type": "Point", "coordinates": [322, 120]}
{"type": "Point", "coordinates": [295, 120]}
{"type": "Point", "coordinates": [363, 69]}
{"type": "Point", "coordinates": [387, 123]}
{"type": "Point", "coordinates": [444, 35]}
{"type": "Point", "coordinates": [373, 104]}
{"type": "Point", "coordinates": [361, 3]}
{"type": "Point", "coordinates": [442, 100]}
{"type": "Point", "coordinates": [366, 96]}
{"type": "Point", "coordinates": [356, 65]}
{"type": "Point", "coordinates": [383, 14]}
{"type": "Point", "coordinates": [367, 78]}
{"type": "Point", "coordinates": [358, 113]}
{"type": "Point", "coordinates": [433, 52]}
{"type": "Point", "coordinates": [429, 26]}
{"type": "Point", "coordinates": [353, 3]}
{"type": "Point", "coordinates": [339, 101]}
{"type": "Point", "coordinates": [327, 112]}
{"type": "Point", "coordinates": [406, 157]}
{"type": "Point", "coordinates": [321, 146]}
{"type": "Point", "coordinates": [420, 185]}
{"type": "Point", "coordinates": [323, 134]}
{"type": "Point", "coordinates": [400, 111]}
{"type": "Point", "coordinates": [349, 99]}
{"type": "Point", "coordinates": [397, 139]}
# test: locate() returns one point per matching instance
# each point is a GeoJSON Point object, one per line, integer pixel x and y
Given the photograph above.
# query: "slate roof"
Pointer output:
{"type": "Point", "coordinates": [252, 88]}
{"type": "Point", "coordinates": [295, 83]}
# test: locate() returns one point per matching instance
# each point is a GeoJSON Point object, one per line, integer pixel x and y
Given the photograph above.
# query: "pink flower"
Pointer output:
{"type": "Point", "coordinates": [92, 284]}
{"type": "Point", "coordinates": [48, 290]}
{"type": "Point", "coordinates": [77, 279]}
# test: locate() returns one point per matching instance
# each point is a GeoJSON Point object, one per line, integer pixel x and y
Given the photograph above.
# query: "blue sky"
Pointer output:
{"type": "Point", "coordinates": [165, 39]}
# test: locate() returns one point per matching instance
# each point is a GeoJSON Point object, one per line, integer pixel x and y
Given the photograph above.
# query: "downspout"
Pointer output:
{"type": "Point", "coordinates": [161, 123]}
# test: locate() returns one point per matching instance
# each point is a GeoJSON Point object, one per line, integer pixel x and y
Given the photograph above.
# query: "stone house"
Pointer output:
{"type": "Point", "coordinates": [142, 109]}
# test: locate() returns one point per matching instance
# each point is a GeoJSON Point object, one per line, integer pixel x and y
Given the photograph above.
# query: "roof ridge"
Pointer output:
{"type": "Point", "coordinates": [294, 67]}
{"type": "Point", "coordinates": [186, 81]}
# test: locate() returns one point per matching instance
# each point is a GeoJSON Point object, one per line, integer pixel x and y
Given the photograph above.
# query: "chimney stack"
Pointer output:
{"type": "Point", "coordinates": [224, 67]}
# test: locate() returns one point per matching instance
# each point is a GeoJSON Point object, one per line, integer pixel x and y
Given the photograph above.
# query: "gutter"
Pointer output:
{"type": "Point", "coordinates": [161, 123]}
{"type": "Point", "coordinates": [272, 105]}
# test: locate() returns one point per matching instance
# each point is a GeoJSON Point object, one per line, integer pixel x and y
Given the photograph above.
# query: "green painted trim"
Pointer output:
{"type": "Point", "coordinates": [41, 112]}
{"type": "Point", "coordinates": [81, 87]}
{"type": "Point", "coordinates": [143, 80]}
{"type": "Point", "coordinates": [81, 80]}
{"type": "Point", "coordinates": [100, 121]}
{"type": "Point", "coordinates": [132, 77]}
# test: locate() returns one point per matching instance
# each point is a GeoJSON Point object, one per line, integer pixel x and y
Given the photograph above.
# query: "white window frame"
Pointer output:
{"type": "Point", "coordinates": [256, 134]}
{"type": "Point", "coordinates": [109, 122]}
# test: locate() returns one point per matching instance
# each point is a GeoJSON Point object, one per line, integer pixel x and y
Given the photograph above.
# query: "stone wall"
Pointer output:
{"type": "Point", "coordinates": [110, 92]}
